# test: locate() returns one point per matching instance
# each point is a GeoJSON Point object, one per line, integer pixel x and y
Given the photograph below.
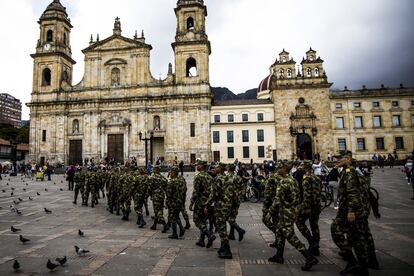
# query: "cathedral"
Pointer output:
{"type": "Point", "coordinates": [119, 110]}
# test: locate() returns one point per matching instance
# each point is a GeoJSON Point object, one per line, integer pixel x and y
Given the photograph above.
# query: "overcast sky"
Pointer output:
{"type": "Point", "coordinates": [362, 41]}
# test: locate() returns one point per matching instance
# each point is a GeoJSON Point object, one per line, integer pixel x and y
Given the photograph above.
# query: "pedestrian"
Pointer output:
{"type": "Point", "coordinates": [181, 167]}
{"type": "Point", "coordinates": [408, 168]}
{"type": "Point", "coordinates": [333, 182]}
{"type": "Point", "coordinates": [70, 173]}
{"type": "Point", "coordinates": [158, 185]}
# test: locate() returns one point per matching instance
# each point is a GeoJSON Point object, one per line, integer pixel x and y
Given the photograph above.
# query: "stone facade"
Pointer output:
{"type": "Point", "coordinates": [118, 94]}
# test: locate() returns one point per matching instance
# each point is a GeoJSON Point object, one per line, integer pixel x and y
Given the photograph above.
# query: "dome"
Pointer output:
{"type": "Point", "coordinates": [264, 88]}
{"type": "Point", "coordinates": [56, 6]}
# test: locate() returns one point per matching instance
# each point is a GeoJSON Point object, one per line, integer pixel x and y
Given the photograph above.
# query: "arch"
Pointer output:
{"type": "Point", "coordinates": [316, 72]}
{"type": "Point", "coordinates": [115, 76]}
{"type": "Point", "coordinates": [281, 73]}
{"type": "Point", "coordinates": [289, 73]}
{"type": "Point", "coordinates": [49, 36]}
{"type": "Point", "coordinates": [191, 68]}
{"type": "Point", "coordinates": [65, 76]}
{"type": "Point", "coordinates": [308, 72]}
{"type": "Point", "coordinates": [75, 126]}
{"type": "Point", "coordinates": [190, 23]}
{"type": "Point", "coordinates": [46, 77]}
{"type": "Point", "coordinates": [157, 122]}
{"type": "Point", "coordinates": [304, 146]}
{"type": "Point", "coordinates": [64, 38]}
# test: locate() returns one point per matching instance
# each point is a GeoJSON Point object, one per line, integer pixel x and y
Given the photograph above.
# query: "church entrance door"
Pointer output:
{"type": "Point", "coordinates": [116, 147]}
{"type": "Point", "coordinates": [75, 152]}
{"type": "Point", "coordinates": [158, 148]}
{"type": "Point", "coordinates": [304, 146]}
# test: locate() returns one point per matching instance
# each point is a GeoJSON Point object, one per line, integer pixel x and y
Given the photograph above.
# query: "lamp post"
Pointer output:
{"type": "Point", "coordinates": [14, 154]}
{"type": "Point", "coordinates": [146, 136]}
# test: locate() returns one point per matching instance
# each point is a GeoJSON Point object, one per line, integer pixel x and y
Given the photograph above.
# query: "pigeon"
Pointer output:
{"type": "Point", "coordinates": [16, 265]}
{"type": "Point", "coordinates": [24, 189]}
{"type": "Point", "coordinates": [23, 240]}
{"type": "Point", "coordinates": [15, 202]}
{"type": "Point", "coordinates": [45, 189]}
{"type": "Point", "coordinates": [80, 233]}
{"type": "Point", "coordinates": [61, 261]}
{"type": "Point", "coordinates": [27, 184]}
{"type": "Point", "coordinates": [61, 189]}
{"type": "Point", "coordinates": [30, 198]}
{"type": "Point", "coordinates": [12, 189]}
{"type": "Point", "coordinates": [18, 212]}
{"type": "Point", "coordinates": [80, 251]}
{"type": "Point", "coordinates": [7, 184]}
{"type": "Point", "coordinates": [47, 211]}
{"type": "Point", "coordinates": [3, 191]}
{"type": "Point", "coordinates": [14, 229]}
{"type": "Point", "coordinates": [54, 183]}
{"type": "Point", "coordinates": [20, 199]}
{"type": "Point", "coordinates": [11, 194]}
{"type": "Point", "coordinates": [51, 265]}
{"type": "Point", "coordinates": [37, 193]}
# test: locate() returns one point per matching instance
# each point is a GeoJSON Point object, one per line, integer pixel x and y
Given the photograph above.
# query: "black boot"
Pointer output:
{"type": "Point", "coordinates": [111, 209]}
{"type": "Point", "coordinates": [117, 212]}
{"type": "Point", "coordinates": [220, 250]}
{"type": "Point", "coordinates": [240, 231]}
{"type": "Point", "coordinates": [200, 241]}
{"type": "Point", "coordinates": [174, 235]}
{"type": "Point", "coordinates": [211, 239]}
{"type": "Point", "coordinates": [154, 226]}
{"type": "Point", "coordinates": [310, 260]}
{"type": "Point", "coordinates": [372, 261]}
{"type": "Point", "coordinates": [352, 266]}
{"type": "Point", "coordinates": [226, 253]}
{"type": "Point", "coordinates": [142, 222]}
{"type": "Point", "coordinates": [278, 257]}
{"type": "Point", "coordinates": [231, 233]}
{"type": "Point", "coordinates": [182, 230]}
{"type": "Point", "coordinates": [165, 229]}
{"type": "Point", "coordinates": [273, 245]}
{"type": "Point", "coordinates": [187, 224]}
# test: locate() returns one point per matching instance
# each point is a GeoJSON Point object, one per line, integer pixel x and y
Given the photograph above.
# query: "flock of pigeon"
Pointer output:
{"type": "Point", "coordinates": [51, 265]}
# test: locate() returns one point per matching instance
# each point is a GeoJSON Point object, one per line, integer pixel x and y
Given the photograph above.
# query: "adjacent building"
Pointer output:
{"type": "Point", "coordinates": [10, 110]}
{"type": "Point", "coordinates": [119, 104]}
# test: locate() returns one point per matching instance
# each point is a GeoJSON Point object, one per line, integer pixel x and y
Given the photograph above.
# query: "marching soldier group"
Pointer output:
{"type": "Point", "coordinates": [215, 202]}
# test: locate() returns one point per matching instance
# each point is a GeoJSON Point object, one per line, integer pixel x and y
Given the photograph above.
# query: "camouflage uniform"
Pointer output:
{"type": "Point", "coordinates": [140, 193]}
{"type": "Point", "coordinates": [112, 196]}
{"type": "Point", "coordinates": [271, 184]}
{"type": "Point", "coordinates": [352, 198]}
{"type": "Point", "coordinates": [124, 197]}
{"type": "Point", "coordinates": [236, 182]}
{"type": "Point", "coordinates": [311, 201]}
{"type": "Point", "coordinates": [158, 186]}
{"type": "Point", "coordinates": [174, 202]}
{"type": "Point", "coordinates": [201, 192]}
{"type": "Point", "coordinates": [92, 182]}
{"type": "Point", "coordinates": [79, 179]}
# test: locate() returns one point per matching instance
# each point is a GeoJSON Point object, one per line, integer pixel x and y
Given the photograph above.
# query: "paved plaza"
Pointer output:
{"type": "Point", "coordinates": [120, 248]}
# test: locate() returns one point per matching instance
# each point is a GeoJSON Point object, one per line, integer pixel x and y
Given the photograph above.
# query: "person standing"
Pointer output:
{"type": "Point", "coordinates": [70, 173]}
{"type": "Point", "coordinates": [201, 192]}
{"type": "Point", "coordinates": [79, 179]}
{"type": "Point", "coordinates": [181, 167]}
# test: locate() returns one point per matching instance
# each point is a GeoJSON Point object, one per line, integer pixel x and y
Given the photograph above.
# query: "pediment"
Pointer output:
{"type": "Point", "coordinates": [116, 42]}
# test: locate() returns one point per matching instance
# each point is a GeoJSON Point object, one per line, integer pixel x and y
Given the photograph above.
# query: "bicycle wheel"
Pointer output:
{"type": "Point", "coordinates": [324, 200]}
{"type": "Point", "coordinates": [253, 195]}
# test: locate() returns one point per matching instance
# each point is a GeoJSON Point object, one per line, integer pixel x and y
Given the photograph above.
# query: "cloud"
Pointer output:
{"type": "Point", "coordinates": [362, 41]}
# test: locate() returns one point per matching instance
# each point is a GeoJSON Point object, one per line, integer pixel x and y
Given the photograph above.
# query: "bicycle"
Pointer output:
{"type": "Point", "coordinates": [326, 195]}
{"type": "Point", "coordinates": [252, 194]}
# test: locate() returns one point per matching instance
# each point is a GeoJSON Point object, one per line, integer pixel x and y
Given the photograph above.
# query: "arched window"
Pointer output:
{"type": "Point", "coordinates": [49, 36]}
{"type": "Point", "coordinates": [191, 68]}
{"type": "Point", "coordinates": [46, 77]}
{"type": "Point", "coordinates": [281, 73]}
{"type": "Point", "coordinates": [75, 126]}
{"type": "Point", "coordinates": [289, 73]}
{"type": "Point", "coordinates": [308, 72]}
{"type": "Point", "coordinates": [64, 38]}
{"type": "Point", "coordinates": [316, 72]}
{"type": "Point", "coordinates": [115, 76]}
{"type": "Point", "coordinates": [190, 23]}
{"type": "Point", "coordinates": [157, 123]}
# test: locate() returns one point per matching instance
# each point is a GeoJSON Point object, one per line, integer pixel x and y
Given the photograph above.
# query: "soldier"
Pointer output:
{"type": "Point", "coordinates": [222, 196]}
{"type": "Point", "coordinates": [236, 182]}
{"type": "Point", "coordinates": [271, 184]}
{"type": "Point", "coordinates": [351, 219]}
{"type": "Point", "coordinates": [157, 191]}
{"type": "Point", "coordinates": [174, 201]}
{"type": "Point", "coordinates": [79, 179]}
{"type": "Point", "coordinates": [140, 192]}
{"type": "Point", "coordinates": [201, 192]}
{"type": "Point", "coordinates": [311, 208]}
{"type": "Point", "coordinates": [286, 204]}
{"type": "Point", "coordinates": [92, 182]}
{"type": "Point", "coordinates": [124, 197]}
{"type": "Point", "coordinates": [112, 189]}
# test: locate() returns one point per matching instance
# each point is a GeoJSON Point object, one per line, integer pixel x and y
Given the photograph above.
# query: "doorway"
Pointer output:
{"type": "Point", "coordinates": [75, 152]}
{"type": "Point", "coordinates": [116, 147]}
{"type": "Point", "coordinates": [304, 146]}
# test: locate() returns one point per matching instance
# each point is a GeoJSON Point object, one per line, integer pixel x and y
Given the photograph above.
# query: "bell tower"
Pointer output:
{"type": "Point", "coordinates": [53, 63]}
{"type": "Point", "coordinates": [191, 47]}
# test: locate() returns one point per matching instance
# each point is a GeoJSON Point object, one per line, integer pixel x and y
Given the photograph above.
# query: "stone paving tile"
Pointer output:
{"type": "Point", "coordinates": [121, 248]}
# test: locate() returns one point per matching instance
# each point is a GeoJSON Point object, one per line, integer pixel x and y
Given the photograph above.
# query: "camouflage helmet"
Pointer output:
{"type": "Point", "coordinates": [231, 167]}
{"type": "Point", "coordinates": [174, 169]}
{"type": "Point", "coordinates": [201, 163]}
{"type": "Point", "coordinates": [306, 164]}
{"type": "Point", "coordinates": [220, 165]}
